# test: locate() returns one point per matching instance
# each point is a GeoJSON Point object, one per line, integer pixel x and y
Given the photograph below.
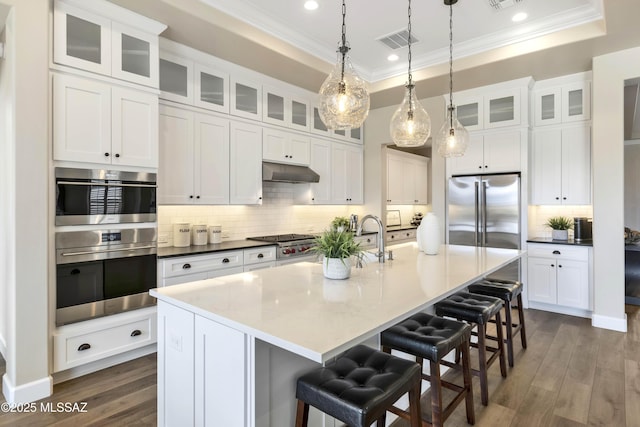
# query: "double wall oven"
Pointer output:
{"type": "Point", "coordinates": [109, 268]}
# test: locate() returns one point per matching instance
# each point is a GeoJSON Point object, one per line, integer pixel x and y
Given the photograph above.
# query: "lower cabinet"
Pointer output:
{"type": "Point", "coordinates": [401, 236]}
{"type": "Point", "coordinates": [92, 340]}
{"type": "Point", "coordinates": [559, 276]}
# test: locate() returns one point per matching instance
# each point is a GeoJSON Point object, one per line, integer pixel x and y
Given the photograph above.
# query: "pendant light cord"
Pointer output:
{"type": "Point", "coordinates": [451, 62]}
{"type": "Point", "coordinates": [410, 84]}
{"type": "Point", "coordinates": [343, 47]}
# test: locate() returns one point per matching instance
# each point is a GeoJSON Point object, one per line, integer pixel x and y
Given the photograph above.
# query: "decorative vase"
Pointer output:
{"type": "Point", "coordinates": [560, 234]}
{"type": "Point", "coordinates": [430, 234]}
{"type": "Point", "coordinates": [419, 238]}
{"type": "Point", "coordinates": [336, 268]}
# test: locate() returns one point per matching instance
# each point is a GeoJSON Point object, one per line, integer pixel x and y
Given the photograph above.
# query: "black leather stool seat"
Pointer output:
{"type": "Point", "coordinates": [359, 386]}
{"type": "Point", "coordinates": [505, 290]}
{"type": "Point", "coordinates": [426, 336]}
{"type": "Point", "coordinates": [469, 307]}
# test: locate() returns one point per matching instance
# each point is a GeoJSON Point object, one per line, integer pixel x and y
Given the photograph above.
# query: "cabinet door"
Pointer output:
{"type": "Point", "coordinates": [134, 55]}
{"type": "Point", "coordinates": [211, 150]}
{"type": "Point", "coordinates": [317, 125]}
{"type": "Point", "coordinates": [245, 169]}
{"type": "Point", "coordinates": [175, 169]}
{"type": "Point", "coordinates": [211, 89]}
{"type": "Point", "coordinates": [421, 179]}
{"type": "Point", "coordinates": [473, 160]}
{"type": "Point", "coordinates": [470, 113]}
{"type": "Point", "coordinates": [502, 152]}
{"type": "Point", "coordinates": [275, 106]}
{"type": "Point", "coordinates": [573, 283]}
{"type": "Point", "coordinates": [576, 165]}
{"type": "Point", "coordinates": [541, 274]}
{"type": "Point", "coordinates": [547, 108]}
{"type": "Point", "coordinates": [576, 102]}
{"type": "Point", "coordinates": [176, 78]}
{"type": "Point", "coordinates": [275, 145]}
{"type": "Point", "coordinates": [356, 135]}
{"type": "Point", "coordinates": [397, 177]}
{"type": "Point", "coordinates": [81, 39]}
{"type": "Point", "coordinates": [320, 162]}
{"type": "Point", "coordinates": [546, 167]}
{"type": "Point", "coordinates": [134, 140]}
{"type": "Point", "coordinates": [81, 120]}
{"type": "Point", "coordinates": [502, 109]}
{"type": "Point", "coordinates": [354, 174]}
{"type": "Point", "coordinates": [299, 149]}
{"type": "Point", "coordinates": [246, 98]}
{"type": "Point", "coordinates": [299, 113]}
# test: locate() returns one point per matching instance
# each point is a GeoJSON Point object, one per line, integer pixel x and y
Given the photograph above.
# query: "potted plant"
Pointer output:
{"type": "Point", "coordinates": [560, 226]}
{"type": "Point", "coordinates": [340, 223]}
{"type": "Point", "coordinates": [337, 247]}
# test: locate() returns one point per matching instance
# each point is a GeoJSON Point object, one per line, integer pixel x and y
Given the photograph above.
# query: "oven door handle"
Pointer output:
{"type": "Point", "coordinates": [105, 184]}
{"type": "Point", "coordinates": [107, 250]}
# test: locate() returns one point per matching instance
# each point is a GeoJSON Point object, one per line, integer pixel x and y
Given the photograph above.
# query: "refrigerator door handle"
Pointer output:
{"type": "Point", "coordinates": [484, 213]}
{"type": "Point", "coordinates": [477, 213]}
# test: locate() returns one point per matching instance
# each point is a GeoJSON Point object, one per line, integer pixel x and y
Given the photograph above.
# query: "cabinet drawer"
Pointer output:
{"type": "Point", "coordinates": [184, 279]}
{"type": "Point", "coordinates": [257, 255]}
{"type": "Point", "coordinates": [201, 263]}
{"type": "Point", "coordinates": [400, 235]}
{"type": "Point", "coordinates": [558, 251]}
{"type": "Point", "coordinates": [81, 343]}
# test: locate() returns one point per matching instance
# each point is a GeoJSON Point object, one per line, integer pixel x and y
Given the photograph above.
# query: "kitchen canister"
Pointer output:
{"type": "Point", "coordinates": [430, 234]}
{"type": "Point", "coordinates": [215, 234]}
{"type": "Point", "coordinates": [181, 234]}
{"type": "Point", "coordinates": [199, 234]}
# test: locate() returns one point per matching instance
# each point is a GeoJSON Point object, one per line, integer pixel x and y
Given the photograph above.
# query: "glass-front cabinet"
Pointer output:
{"type": "Point", "coordinates": [275, 108]}
{"type": "Point", "coordinates": [246, 98]}
{"type": "Point", "coordinates": [299, 114]}
{"type": "Point", "coordinates": [502, 109]}
{"type": "Point", "coordinates": [564, 99]}
{"type": "Point", "coordinates": [176, 78]}
{"type": "Point", "coordinates": [576, 102]}
{"type": "Point", "coordinates": [318, 125]}
{"type": "Point", "coordinates": [469, 113]}
{"type": "Point", "coordinates": [211, 89]}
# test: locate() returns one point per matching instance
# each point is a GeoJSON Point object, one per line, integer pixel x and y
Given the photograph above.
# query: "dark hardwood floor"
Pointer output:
{"type": "Point", "coordinates": [571, 375]}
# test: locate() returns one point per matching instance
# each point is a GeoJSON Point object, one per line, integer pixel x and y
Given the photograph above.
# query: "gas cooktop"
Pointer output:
{"type": "Point", "coordinates": [282, 238]}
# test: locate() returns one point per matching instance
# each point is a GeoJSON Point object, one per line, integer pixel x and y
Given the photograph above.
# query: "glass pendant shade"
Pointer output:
{"type": "Point", "coordinates": [344, 98]}
{"type": "Point", "coordinates": [453, 139]}
{"type": "Point", "coordinates": [410, 125]}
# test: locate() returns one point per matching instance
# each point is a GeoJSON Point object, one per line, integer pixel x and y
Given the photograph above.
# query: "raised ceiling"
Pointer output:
{"type": "Point", "coordinates": [281, 39]}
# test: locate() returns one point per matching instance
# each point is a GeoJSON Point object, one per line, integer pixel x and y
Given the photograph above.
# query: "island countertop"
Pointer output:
{"type": "Point", "coordinates": [295, 308]}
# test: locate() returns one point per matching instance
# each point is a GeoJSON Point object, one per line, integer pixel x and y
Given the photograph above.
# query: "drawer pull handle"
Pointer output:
{"type": "Point", "coordinates": [84, 347]}
{"type": "Point", "coordinates": [260, 256]}
{"type": "Point", "coordinates": [75, 271]}
{"type": "Point", "coordinates": [226, 260]}
{"type": "Point", "coordinates": [556, 252]}
{"type": "Point", "coordinates": [136, 333]}
{"type": "Point", "coordinates": [552, 265]}
{"type": "Point", "coordinates": [186, 266]}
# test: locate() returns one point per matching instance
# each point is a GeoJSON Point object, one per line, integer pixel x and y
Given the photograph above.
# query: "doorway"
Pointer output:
{"type": "Point", "coordinates": [631, 191]}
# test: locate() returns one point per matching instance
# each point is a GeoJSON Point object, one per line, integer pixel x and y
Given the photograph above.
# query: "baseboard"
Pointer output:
{"type": "Point", "coordinates": [25, 393]}
{"type": "Point", "coordinates": [107, 362]}
{"type": "Point", "coordinates": [606, 322]}
{"type": "Point", "coordinates": [560, 309]}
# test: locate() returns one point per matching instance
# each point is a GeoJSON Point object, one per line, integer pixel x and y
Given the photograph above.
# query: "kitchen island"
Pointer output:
{"type": "Point", "coordinates": [230, 348]}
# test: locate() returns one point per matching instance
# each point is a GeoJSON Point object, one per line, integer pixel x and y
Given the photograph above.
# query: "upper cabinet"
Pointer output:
{"type": "Point", "coordinates": [246, 98]}
{"type": "Point", "coordinates": [285, 147]}
{"type": "Point", "coordinates": [407, 178]}
{"type": "Point", "coordinates": [103, 38]}
{"type": "Point", "coordinates": [565, 99]}
{"type": "Point", "coordinates": [492, 152]}
{"type": "Point", "coordinates": [495, 106]}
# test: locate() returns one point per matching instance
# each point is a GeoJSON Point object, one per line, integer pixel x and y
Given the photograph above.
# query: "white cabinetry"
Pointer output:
{"type": "Point", "coordinates": [259, 258]}
{"type": "Point", "coordinates": [84, 342]}
{"type": "Point", "coordinates": [285, 147]}
{"type": "Point", "coordinates": [95, 122]}
{"type": "Point", "coordinates": [194, 158]}
{"type": "Point", "coordinates": [489, 153]}
{"type": "Point", "coordinates": [561, 165]}
{"type": "Point", "coordinates": [185, 269]}
{"type": "Point", "coordinates": [320, 162]}
{"type": "Point", "coordinates": [347, 174]}
{"type": "Point", "coordinates": [245, 169]}
{"type": "Point", "coordinates": [562, 100]}
{"type": "Point", "coordinates": [559, 276]}
{"type": "Point", "coordinates": [400, 236]}
{"type": "Point", "coordinates": [407, 178]}
{"type": "Point", "coordinates": [246, 98]}
{"type": "Point", "coordinates": [94, 41]}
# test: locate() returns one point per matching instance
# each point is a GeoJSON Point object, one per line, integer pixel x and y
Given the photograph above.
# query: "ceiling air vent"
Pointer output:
{"type": "Point", "coordinates": [398, 40]}
{"type": "Point", "coordinates": [503, 4]}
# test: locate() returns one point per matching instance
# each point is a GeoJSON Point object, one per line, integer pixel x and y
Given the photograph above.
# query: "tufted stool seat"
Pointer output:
{"type": "Point", "coordinates": [478, 309]}
{"type": "Point", "coordinates": [507, 291]}
{"type": "Point", "coordinates": [430, 337]}
{"type": "Point", "coordinates": [359, 387]}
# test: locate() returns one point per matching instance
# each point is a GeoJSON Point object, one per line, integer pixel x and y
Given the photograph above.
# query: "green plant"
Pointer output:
{"type": "Point", "coordinates": [340, 221]}
{"type": "Point", "coordinates": [337, 244]}
{"type": "Point", "coordinates": [559, 223]}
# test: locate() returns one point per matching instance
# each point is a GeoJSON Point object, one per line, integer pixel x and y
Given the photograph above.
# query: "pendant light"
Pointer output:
{"type": "Point", "coordinates": [410, 125]}
{"type": "Point", "coordinates": [452, 139]}
{"type": "Point", "coordinates": [344, 98]}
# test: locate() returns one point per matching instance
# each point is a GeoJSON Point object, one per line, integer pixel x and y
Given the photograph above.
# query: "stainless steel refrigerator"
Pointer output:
{"type": "Point", "coordinates": [484, 210]}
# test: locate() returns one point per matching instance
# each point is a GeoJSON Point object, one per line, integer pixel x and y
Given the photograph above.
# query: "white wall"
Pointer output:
{"type": "Point", "coordinates": [631, 189]}
{"type": "Point", "coordinates": [609, 73]}
{"type": "Point", "coordinates": [25, 173]}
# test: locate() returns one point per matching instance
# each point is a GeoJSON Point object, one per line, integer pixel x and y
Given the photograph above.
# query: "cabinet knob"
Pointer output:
{"type": "Point", "coordinates": [260, 256]}
{"type": "Point", "coordinates": [260, 198]}
{"type": "Point", "coordinates": [136, 333]}
{"type": "Point", "coordinates": [106, 154]}
{"type": "Point", "coordinates": [117, 155]}
{"type": "Point", "coordinates": [393, 237]}
{"type": "Point", "coordinates": [552, 265]}
{"type": "Point", "coordinates": [197, 197]}
{"type": "Point", "coordinates": [559, 266]}
{"type": "Point", "coordinates": [564, 198]}
{"type": "Point", "coordinates": [186, 266]}
{"type": "Point", "coordinates": [191, 196]}
{"type": "Point", "coordinates": [486, 166]}
{"type": "Point", "coordinates": [313, 198]}
{"type": "Point", "coordinates": [84, 347]}
{"type": "Point", "coordinates": [556, 252]}
{"type": "Point", "coordinates": [225, 261]}
{"type": "Point", "coordinates": [480, 167]}
{"type": "Point", "coordinates": [557, 198]}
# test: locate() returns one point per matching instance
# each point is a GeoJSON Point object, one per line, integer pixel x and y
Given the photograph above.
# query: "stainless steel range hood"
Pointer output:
{"type": "Point", "coordinates": [278, 172]}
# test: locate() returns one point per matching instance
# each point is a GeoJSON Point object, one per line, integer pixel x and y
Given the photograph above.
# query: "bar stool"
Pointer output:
{"type": "Point", "coordinates": [506, 290]}
{"type": "Point", "coordinates": [478, 309]}
{"type": "Point", "coordinates": [430, 337]}
{"type": "Point", "coordinates": [359, 387]}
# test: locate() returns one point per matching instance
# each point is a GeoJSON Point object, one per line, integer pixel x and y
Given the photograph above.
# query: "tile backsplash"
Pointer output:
{"type": "Point", "coordinates": [276, 215]}
{"type": "Point", "coordinates": [538, 216]}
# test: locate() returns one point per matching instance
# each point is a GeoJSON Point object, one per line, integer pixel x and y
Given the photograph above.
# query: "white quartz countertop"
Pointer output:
{"type": "Point", "coordinates": [294, 307]}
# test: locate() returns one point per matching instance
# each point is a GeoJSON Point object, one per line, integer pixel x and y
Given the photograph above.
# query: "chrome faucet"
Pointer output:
{"type": "Point", "coordinates": [380, 253]}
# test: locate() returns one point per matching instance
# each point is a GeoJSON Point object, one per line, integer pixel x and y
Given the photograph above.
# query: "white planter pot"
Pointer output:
{"type": "Point", "coordinates": [560, 234]}
{"type": "Point", "coordinates": [336, 268]}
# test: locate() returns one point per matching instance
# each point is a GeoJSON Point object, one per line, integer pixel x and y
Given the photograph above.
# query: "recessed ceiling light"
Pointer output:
{"type": "Point", "coordinates": [518, 17]}
{"type": "Point", "coordinates": [311, 5]}
{"type": "Point", "coordinates": [393, 57]}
